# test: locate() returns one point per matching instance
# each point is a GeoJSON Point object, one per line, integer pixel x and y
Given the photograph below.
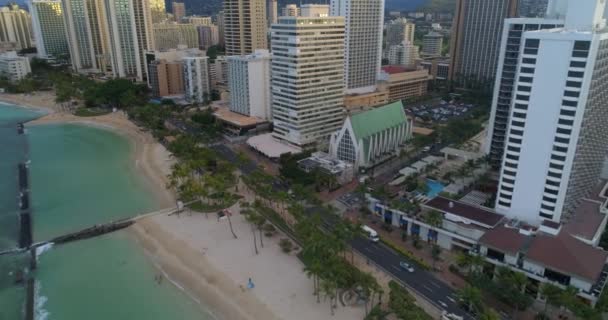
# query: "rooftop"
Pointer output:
{"type": "Point", "coordinates": [392, 69]}
{"type": "Point", "coordinates": [270, 147]}
{"type": "Point", "coordinates": [504, 239]}
{"type": "Point", "coordinates": [376, 120]}
{"type": "Point", "coordinates": [237, 119]}
{"type": "Point", "coordinates": [566, 254]}
{"type": "Point", "coordinates": [472, 214]}
{"type": "Point", "coordinates": [586, 220]}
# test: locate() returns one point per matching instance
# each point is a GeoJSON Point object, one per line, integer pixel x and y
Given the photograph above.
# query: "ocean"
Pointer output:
{"type": "Point", "coordinates": [81, 176]}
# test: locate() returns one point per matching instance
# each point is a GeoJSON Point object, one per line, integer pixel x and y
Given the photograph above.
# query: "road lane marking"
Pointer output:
{"type": "Point", "coordinates": [435, 284]}
{"type": "Point", "coordinates": [396, 268]}
{"type": "Point", "coordinates": [426, 287]}
{"type": "Point", "coordinates": [450, 298]}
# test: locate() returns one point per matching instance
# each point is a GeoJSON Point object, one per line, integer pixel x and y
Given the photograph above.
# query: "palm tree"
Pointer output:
{"type": "Point", "coordinates": [251, 217]}
{"type": "Point", "coordinates": [329, 290]}
{"type": "Point", "coordinates": [489, 314]}
{"type": "Point", "coordinates": [552, 295]}
{"type": "Point", "coordinates": [470, 297]}
{"type": "Point", "coordinates": [464, 260]}
{"type": "Point", "coordinates": [435, 254]}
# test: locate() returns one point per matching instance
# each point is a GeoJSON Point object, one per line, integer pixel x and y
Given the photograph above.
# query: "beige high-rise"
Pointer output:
{"type": "Point", "coordinates": [245, 26]}
{"type": "Point", "coordinates": [15, 26]}
{"type": "Point", "coordinates": [166, 78]}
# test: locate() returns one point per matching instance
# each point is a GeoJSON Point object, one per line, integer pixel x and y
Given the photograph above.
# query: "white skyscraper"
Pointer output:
{"type": "Point", "coordinates": [308, 80]}
{"type": "Point", "coordinates": [49, 28]}
{"type": "Point", "coordinates": [130, 34]}
{"type": "Point", "coordinates": [249, 84]}
{"type": "Point", "coordinates": [404, 54]}
{"type": "Point", "coordinates": [87, 34]}
{"type": "Point", "coordinates": [363, 42]}
{"type": "Point", "coordinates": [557, 135]}
{"type": "Point", "coordinates": [196, 78]}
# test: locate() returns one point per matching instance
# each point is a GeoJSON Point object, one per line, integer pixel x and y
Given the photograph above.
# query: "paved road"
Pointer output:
{"type": "Point", "coordinates": [421, 281]}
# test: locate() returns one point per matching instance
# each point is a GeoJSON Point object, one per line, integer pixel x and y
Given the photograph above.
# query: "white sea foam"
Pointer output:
{"type": "Point", "coordinates": [39, 312]}
{"type": "Point", "coordinates": [42, 249]}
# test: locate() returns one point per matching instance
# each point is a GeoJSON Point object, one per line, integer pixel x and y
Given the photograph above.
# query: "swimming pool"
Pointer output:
{"type": "Point", "coordinates": [435, 188]}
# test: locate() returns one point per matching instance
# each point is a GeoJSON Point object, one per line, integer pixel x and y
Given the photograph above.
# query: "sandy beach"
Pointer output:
{"type": "Point", "coordinates": [198, 253]}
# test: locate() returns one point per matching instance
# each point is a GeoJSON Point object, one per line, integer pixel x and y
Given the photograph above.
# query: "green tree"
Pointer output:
{"type": "Point", "coordinates": [471, 298]}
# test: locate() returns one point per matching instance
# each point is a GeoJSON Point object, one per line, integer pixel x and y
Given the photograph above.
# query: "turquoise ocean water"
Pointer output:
{"type": "Point", "coordinates": [81, 176]}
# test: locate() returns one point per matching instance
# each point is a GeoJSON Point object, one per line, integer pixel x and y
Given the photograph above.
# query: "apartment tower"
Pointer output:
{"type": "Point", "coordinates": [399, 30]}
{"type": "Point", "coordinates": [130, 34]}
{"type": "Point", "coordinates": [272, 12]}
{"type": "Point", "coordinates": [308, 81]}
{"type": "Point", "coordinates": [87, 35]}
{"type": "Point", "coordinates": [363, 42]}
{"type": "Point", "coordinates": [557, 135]}
{"type": "Point", "coordinates": [475, 39]}
{"type": "Point", "coordinates": [179, 11]}
{"type": "Point", "coordinates": [244, 26]}
{"type": "Point", "coordinates": [249, 84]}
{"type": "Point", "coordinates": [16, 26]}
{"type": "Point", "coordinates": [49, 29]}
{"type": "Point", "coordinates": [196, 78]}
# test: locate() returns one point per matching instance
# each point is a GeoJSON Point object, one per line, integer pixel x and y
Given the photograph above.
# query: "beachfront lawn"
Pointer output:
{"type": "Point", "coordinates": [91, 112]}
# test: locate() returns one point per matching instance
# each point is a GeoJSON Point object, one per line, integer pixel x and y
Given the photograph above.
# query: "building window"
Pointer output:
{"type": "Point", "coordinates": [346, 149]}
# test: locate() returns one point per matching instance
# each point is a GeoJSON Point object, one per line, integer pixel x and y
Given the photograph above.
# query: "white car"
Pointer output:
{"type": "Point", "coordinates": [406, 266]}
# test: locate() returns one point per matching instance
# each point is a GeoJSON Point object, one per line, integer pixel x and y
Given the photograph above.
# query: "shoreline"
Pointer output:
{"type": "Point", "coordinates": [197, 254]}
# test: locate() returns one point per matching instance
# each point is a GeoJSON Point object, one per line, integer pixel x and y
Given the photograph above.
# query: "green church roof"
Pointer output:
{"type": "Point", "coordinates": [370, 122]}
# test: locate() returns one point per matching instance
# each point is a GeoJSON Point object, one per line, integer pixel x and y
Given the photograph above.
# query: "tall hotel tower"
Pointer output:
{"type": "Point", "coordinates": [245, 26]}
{"type": "Point", "coordinates": [363, 42]}
{"type": "Point", "coordinates": [87, 35]}
{"type": "Point", "coordinates": [130, 35]}
{"type": "Point", "coordinates": [308, 79]}
{"type": "Point", "coordinates": [557, 136]}
{"type": "Point", "coordinates": [49, 28]}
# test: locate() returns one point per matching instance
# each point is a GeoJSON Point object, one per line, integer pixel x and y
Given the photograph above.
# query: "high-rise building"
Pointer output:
{"type": "Point", "coordinates": [532, 8]}
{"type": "Point", "coordinates": [307, 84]}
{"type": "Point", "coordinates": [16, 26]}
{"type": "Point", "coordinates": [314, 10]}
{"type": "Point", "coordinates": [272, 12]}
{"type": "Point", "coordinates": [404, 54]}
{"type": "Point", "coordinates": [49, 29]}
{"type": "Point", "coordinates": [166, 78]}
{"type": "Point", "coordinates": [199, 21]}
{"type": "Point", "coordinates": [87, 35]}
{"type": "Point", "coordinates": [363, 42]}
{"type": "Point", "coordinates": [432, 44]}
{"type": "Point", "coordinates": [175, 35]}
{"type": "Point", "coordinates": [221, 29]}
{"type": "Point", "coordinates": [158, 11]}
{"type": "Point", "coordinates": [475, 38]}
{"type": "Point", "coordinates": [13, 66]}
{"type": "Point", "coordinates": [179, 11]}
{"type": "Point", "coordinates": [399, 30]}
{"type": "Point", "coordinates": [245, 26]}
{"type": "Point", "coordinates": [196, 78]}
{"type": "Point", "coordinates": [249, 84]}
{"type": "Point", "coordinates": [218, 72]}
{"type": "Point", "coordinates": [208, 36]}
{"type": "Point", "coordinates": [290, 10]}
{"type": "Point", "coordinates": [505, 77]}
{"type": "Point", "coordinates": [557, 138]}
{"type": "Point", "coordinates": [130, 34]}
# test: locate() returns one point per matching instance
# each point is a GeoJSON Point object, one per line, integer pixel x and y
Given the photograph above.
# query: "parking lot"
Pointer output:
{"type": "Point", "coordinates": [441, 112]}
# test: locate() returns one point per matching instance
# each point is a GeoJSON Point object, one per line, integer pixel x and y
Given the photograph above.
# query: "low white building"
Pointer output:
{"type": "Point", "coordinates": [13, 66]}
{"type": "Point", "coordinates": [370, 137]}
{"type": "Point", "coordinates": [249, 84]}
{"type": "Point", "coordinates": [342, 170]}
